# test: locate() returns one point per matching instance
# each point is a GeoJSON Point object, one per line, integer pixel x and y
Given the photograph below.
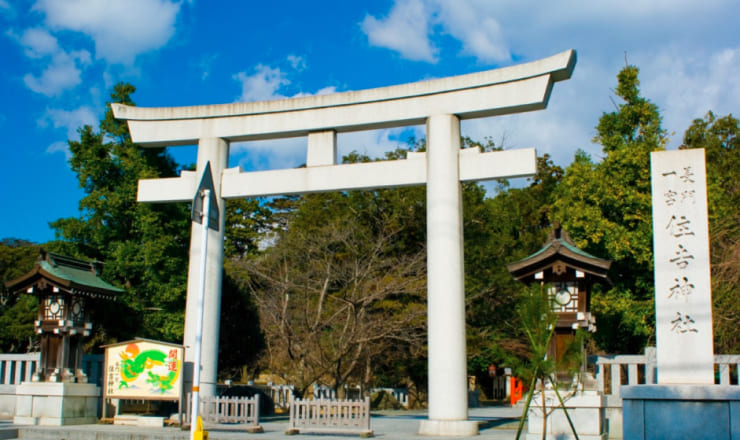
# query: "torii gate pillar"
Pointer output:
{"type": "Point", "coordinates": [440, 104]}
{"type": "Point", "coordinates": [216, 152]}
{"type": "Point", "coordinates": [448, 392]}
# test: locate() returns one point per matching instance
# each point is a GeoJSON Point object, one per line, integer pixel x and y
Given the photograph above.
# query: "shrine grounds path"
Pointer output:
{"type": "Point", "coordinates": [495, 423]}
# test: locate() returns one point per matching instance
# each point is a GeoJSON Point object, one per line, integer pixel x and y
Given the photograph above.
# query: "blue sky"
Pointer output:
{"type": "Point", "coordinates": [60, 59]}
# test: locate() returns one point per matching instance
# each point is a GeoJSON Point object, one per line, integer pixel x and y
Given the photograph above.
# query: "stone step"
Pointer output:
{"type": "Point", "coordinates": [100, 431]}
{"type": "Point", "coordinates": [8, 433]}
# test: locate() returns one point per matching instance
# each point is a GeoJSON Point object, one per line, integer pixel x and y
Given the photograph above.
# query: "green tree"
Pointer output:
{"type": "Point", "coordinates": [17, 312]}
{"type": "Point", "coordinates": [17, 257]}
{"type": "Point", "coordinates": [241, 342]}
{"type": "Point", "coordinates": [144, 247]}
{"type": "Point", "coordinates": [538, 322]}
{"type": "Point", "coordinates": [248, 223]}
{"type": "Point", "coordinates": [340, 292]}
{"type": "Point", "coordinates": [606, 207]}
{"type": "Point", "coordinates": [720, 139]}
{"type": "Point", "coordinates": [500, 230]}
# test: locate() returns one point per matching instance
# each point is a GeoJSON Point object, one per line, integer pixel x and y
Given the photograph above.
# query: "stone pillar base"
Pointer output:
{"type": "Point", "coordinates": [681, 411]}
{"type": "Point", "coordinates": [56, 404]}
{"type": "Point", "coordinates": [586, 410]}
{"type": "Point", "coordinates": [448, 428]}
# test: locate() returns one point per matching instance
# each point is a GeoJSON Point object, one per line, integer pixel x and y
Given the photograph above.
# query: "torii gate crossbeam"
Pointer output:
{"type": "Point", "coordinates": [440, 104]}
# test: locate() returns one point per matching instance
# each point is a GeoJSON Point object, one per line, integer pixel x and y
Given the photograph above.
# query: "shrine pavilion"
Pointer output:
{"type": "Point", "coordinates": [570, 274]}
{"type": "Point", "coordinates": [64, 287]}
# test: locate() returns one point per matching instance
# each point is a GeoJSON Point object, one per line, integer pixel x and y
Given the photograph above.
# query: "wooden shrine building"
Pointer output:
{"type": "Point", "coordinates": [571, 273]}
{"type": "Point", "coordinates": [64, 287]}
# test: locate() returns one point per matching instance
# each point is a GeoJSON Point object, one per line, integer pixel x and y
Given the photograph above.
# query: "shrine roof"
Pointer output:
{"type": "Point", "coordinates": [73, 276]}
{"type": "Point", "coordinates": [560, 247]}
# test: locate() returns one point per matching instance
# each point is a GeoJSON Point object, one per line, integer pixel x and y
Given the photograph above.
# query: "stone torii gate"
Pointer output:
{"type": "Point", "coordinates": [440, 104]}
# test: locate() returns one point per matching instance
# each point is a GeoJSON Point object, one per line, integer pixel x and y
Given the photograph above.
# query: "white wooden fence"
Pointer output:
{"type": "Point", "coordinates": [400, 394]}
{"type": "Point", "coordinates": [281, 395]}
{"type": "Point", "coordinates": [223, 409]}
{"type": "Point", "coordinates": [324, 392]}
{"type": "Point", "coordinates": [330, 417]}
{"type": "Point", "coordinates": [611, 372]}
{"type": "Point", "coordinates": [14, 369]}
{"type": "Point", "coordinates": [17, 368]}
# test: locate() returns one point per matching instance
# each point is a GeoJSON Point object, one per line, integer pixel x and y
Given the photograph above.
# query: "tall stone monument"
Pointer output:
{"type": "Point", "coordinates": [683, 292]}
{"type": "Point", "coordinates": [685, 403]}
{"type": "Point", "coordinates": [440, 104]}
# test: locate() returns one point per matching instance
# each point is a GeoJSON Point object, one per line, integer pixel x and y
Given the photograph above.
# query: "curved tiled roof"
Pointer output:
{"type": "Point", "coordinates": [73, 276]}
{"type": "Point", "coordinates": [560, 247]}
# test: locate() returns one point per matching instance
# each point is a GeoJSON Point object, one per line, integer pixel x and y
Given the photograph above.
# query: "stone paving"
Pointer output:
{"type": "Point", "coordinates": [495, 423]}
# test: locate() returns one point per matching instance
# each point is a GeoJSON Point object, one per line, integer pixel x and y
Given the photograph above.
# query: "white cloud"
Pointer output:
{"type": "Point", "coordinates": [687, 87]}
{"type": "Point", "coordinates": [683, 74]}
{"type": "Point", "coordinates": [323, 91]}
{"type": "Point", "coordinates": [206, 64]}
{"type": "Point", "coordinates": [375, 143]}
{"type": "Point", "coordinates": [262, 85]}
{"type": "Point", "coordinates": [265, 82]}
{"type": "Point", "coordinates": [405, 30]}
{"type": "Point", "coordinates": [288, 153]}
{"type": "Point", "coordinates": [481, 35]}
{"type": "Point", "coordinates": [297, 63]}
{"type": "Point", "coordinates": [412, 27]}
{"type": "Point", "coordinates": [121, 30]}
{"type": "Point", "coordinates": [497, 32]}
{"type": "Point", "coordinates": [60, 147]}
{"type": "Point", "coordinates": [272, 154]}
{"type": "Point", "coordinates": [326, 90]}
{"type": "Point", "coordinates": [62, 69]}
{"type": "Point", "coordinates": [6, 9]}
{"type": "Point", "coordinates": [71, 121]}
{"type": "Point", "coordinates": [38, 43]}
{"type": "Point", "coordinates": [58, 77]}
{"type": "Point", "coordinates": [688, 62]}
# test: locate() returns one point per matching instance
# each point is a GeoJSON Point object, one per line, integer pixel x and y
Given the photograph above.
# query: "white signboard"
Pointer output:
{"type": "Point", "coordinates": [143, 369]}
{"type": "Point", "coordinates": [683, 297]}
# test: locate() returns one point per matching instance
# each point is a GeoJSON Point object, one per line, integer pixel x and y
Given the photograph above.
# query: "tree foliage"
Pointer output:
{"type": "Point", "coordinates": [500, 230]}
{"type": "Point", "coordinates": [241, 342]}
{"type": "Point", "coordinates": [538, 323]}
{"type": "Point", "coordinates": [248, 223]}
{"type": "Point", "coordinates": [342, 288]}
{"type": "Point", "coordinates": [144, 247]}
{"type": "Point", "coordinates": [719, 138]}
{"type": "Point", "coordinates": [17, 312]}
{"type": "Point", "coordinates": [607, 208]}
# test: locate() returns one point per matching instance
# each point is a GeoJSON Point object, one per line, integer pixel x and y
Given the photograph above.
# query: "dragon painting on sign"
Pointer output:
{"type": "Point", "coordinates": [162, 369]}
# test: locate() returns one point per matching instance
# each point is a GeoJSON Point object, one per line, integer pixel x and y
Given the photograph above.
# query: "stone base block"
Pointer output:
{"type": "Point", "coordinates": [134, 420]}
{"type": "Point", "coordinates": [7, 401]}
{"type": "Point", "coordinates": [56, 404]}
{"type": "Point", "coordinates": [586, 410]}
{"type": "Point", "coordinates": [448, 428]}
{"type": "Point", "coordinates": [256, 429]}
{"type": "Point", "coordinates": [681, 411]}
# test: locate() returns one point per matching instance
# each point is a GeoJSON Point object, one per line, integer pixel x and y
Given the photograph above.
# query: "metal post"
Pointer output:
{"type": "Point", "coordinates": [199, 315]}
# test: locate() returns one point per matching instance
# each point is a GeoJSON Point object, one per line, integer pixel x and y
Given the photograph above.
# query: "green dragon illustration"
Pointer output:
{"type": "Point", "coordinates": [133, 364]}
